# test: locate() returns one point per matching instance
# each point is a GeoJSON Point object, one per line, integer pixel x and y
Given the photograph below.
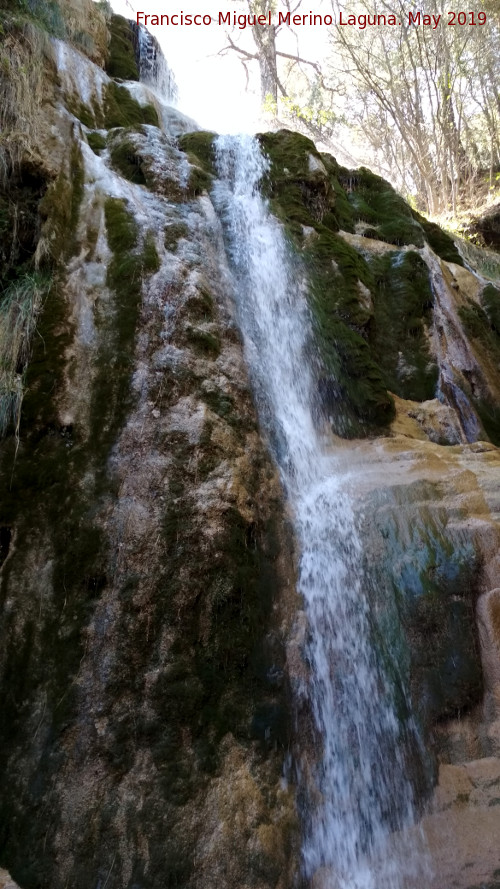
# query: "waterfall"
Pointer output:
{"type": "Point", "coordinates": [154, 69]}
{"type": "Point", "coordinates": [358, 798]}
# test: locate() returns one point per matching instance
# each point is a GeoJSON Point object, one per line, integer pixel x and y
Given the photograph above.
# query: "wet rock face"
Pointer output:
{"type": "Point", "coordinates": [142, 535]}
{"type": "Point", "coordinates": [150, 626]}
{"type": "Point", "coordinates": [434, 571]}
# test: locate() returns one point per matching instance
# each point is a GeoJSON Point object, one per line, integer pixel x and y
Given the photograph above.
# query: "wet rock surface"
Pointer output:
{"type": "Point", "coordinates": [151, 627]}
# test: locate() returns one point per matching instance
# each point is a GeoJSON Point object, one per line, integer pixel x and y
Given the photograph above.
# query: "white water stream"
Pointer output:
{"type": "Point", "coordinates": [359, 798]}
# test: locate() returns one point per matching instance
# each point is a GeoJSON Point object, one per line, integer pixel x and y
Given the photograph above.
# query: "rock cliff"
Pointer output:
{"type": "Point", "coordinates": [152, 638]}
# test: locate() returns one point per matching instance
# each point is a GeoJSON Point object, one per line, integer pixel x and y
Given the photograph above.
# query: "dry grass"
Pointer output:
{"type": "Point", "coordinates": [85, 23]}
{"type": "Point", "coordinates": [20, 306]}
{"type": "Point", "coordinates": [25, 52]}
{"type": "Point", "coordinates": [22, 52]}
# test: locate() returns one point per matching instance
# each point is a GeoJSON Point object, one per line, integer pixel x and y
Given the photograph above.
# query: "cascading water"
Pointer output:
{"type": "Point", "coordinates": [362, 798]}
{"type": "Point", "coordinates": [154, 69]}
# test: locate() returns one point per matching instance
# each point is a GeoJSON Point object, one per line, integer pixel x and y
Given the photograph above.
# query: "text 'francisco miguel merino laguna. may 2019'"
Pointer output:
{"type": "Point", "coordinates": [453, 18]}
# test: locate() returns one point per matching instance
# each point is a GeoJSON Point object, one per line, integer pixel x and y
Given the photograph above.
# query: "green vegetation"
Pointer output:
{"type": "Point", "coordinates": [204, 341]}
{"type": "Point", "coordinates": [371, 311]}
{"type": "Point", "coordinates": [403, 302]}
{"type": "Point", "coordinates": [20, 306]}
{"type": "Point", "coordinates": [441, 242]}
{"type": "Point", "coordinates": [173, 233]}
{"type": "Point", "coordinates": [126, 159]}
{"type": "Point", "coordinates": [371, 315]}
{"type": "Point", "coordinates": [490, 299]}
{"type": "Point", "coordinates": [82, 24]}
{"type": "Point", "coordinates": [50, 494]}
{"type": "Point", "coordinates": [83, 112]}
{"type": "Point", "coordinates": [111, 391]}
{"type": "Point", "coordinates": [200, 145]}
{"type": "Point", "coordinates": [60, 206]}
{"type": "Point", "coordinates": [298, 195]}
{"type": "Point", "coordinates": [122, 110]}
{"type": "Point", "coordinates": [353, 391]}
{"type": "Point", "coordinates": [122, 55]}
{"type": "Point", "coordinates": [150, 259]}
{"type": "Point", "coordinates": [97, 142]}
{"type": "Point", "coordinates": [374, 201]}
{"type": "Point", "coordinates": [199, 149]}
{"type": "Point", "coordinates": [218, 670]}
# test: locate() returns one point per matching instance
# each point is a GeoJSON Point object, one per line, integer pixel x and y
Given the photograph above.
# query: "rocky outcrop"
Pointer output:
{"type": "Point", "coordinates": [151, 627]}
{"type": "Point", "coordinates": [486, 227]}
{"type": "Point", "coordinates": [147, 569]}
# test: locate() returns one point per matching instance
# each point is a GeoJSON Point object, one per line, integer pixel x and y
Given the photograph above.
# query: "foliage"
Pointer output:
{"type": "Point", "coordinates": [425, 100]}
{"type": "Point", "coordinates": [83, 24]}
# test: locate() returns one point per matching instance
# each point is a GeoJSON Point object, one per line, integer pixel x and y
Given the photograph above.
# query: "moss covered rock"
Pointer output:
{"type": "Point", "coordinates": [122, 56]}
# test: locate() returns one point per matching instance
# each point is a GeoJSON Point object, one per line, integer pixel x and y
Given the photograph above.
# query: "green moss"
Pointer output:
{"type": "Point", "coordinates": [111, 391]}
{"type": "Point", "coordinates": [200, 145]}
{"type": "Point", "coordinates": [125, 158]}
{"type": "Point", "coordinates": [352, 390]}
{"type": "Point", "coordinates": [223, 405]}
{"type": "Point", "coordinates": [309, 189]}
{"type": "Point", "coordinates": [122, 57]}
{"type": "Point", "coordinates": [475, 321]}
{"type": "Point", "coordinates": [288, 151]}
{"type": "Point", "coordinates": [150, 259]}
{"type": "Point", "coordinates": [299, 195]}
{"type": "Point", "coordinates": [403, 301]}
{"type": "Point", "coordinates": [173, 233]}
{"type": "Point", "coordinates": [214, 688]}
{"type": "Point", "coordinates": [199, 181]}
{"type": "Point", "coordinates": [41, 496]}
{"type": "Point", "coordinates": [341, 216]}
{"type": "Point", "coordinates": [121, 229]}
{"type": "Point", "coordinates": [48, 494]}
{"type": "Point", "coordinates": [47, 14]}
{"type": "Point", "coordinates": [490, 300]}
{"type": "Point", "coordinates": [61, 206]}
{"type": "Point", "coordinates": [374, 201]}
{"type": "Point", "coordinates": [351, 387]}
{"type": "Point", "coordinates": [20, 223]}
{"type": "Point", "coordinates": [96, 141]}
{"type": "Point", "coordinates": [122, 110]}
{"type": "Point", "coordinates": [339, 268]}
{"type": "Point", "coordinates": [441, 242]}
{"type": "Point", "coordinates": [201, 306]}
{"type": "Point", "coordinates": [205, 342]}
{"type": "Point", "coordinates": [80, 110]}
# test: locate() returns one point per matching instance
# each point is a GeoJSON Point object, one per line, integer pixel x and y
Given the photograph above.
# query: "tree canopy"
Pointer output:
{"type": "Point", "coordinates": [425, 100]}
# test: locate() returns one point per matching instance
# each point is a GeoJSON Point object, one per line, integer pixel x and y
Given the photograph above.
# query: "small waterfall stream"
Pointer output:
{"type": "Point", "coordinates": [358, 783]}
